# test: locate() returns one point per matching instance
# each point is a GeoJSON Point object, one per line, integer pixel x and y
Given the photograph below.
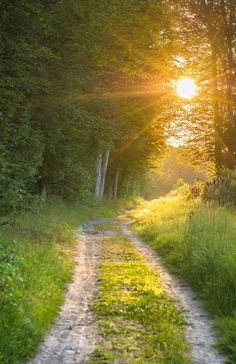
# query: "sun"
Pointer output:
{"type": "Point", "coordinates": [186, 88]}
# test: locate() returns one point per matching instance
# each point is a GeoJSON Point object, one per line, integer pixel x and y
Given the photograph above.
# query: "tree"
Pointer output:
{"type": "Point", "coordinates": [107, 67]}
{"type": "Point", "coordinates": [23, 54]}
{"type": "Point", "coordinates": [211, 25]}
{"type": "Point", "coordinates": [81, 80]}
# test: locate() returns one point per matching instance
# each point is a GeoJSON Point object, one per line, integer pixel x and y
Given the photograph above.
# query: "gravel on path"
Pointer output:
{"type": "Point", "coordinates": [74, 333]}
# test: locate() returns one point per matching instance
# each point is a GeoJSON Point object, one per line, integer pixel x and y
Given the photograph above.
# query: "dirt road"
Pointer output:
{"type": "Point", "coordinates": [74, 334]}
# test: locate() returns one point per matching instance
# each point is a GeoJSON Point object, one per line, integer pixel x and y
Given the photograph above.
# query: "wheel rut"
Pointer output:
{"type": "Point", "coordinates": [74, 334]}
{"type": "Point", "coordinates": [199, 328]}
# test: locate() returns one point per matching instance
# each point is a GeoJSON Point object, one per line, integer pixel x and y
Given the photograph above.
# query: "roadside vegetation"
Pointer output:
{"type": "Point", "coordinates": [89, 103]}
{"type": "Point", "coordinates": [36, 263]}
{"type": "Point", "coordinates": [137, 320]}
{"type": "Point", "coordinates": [198, 243]}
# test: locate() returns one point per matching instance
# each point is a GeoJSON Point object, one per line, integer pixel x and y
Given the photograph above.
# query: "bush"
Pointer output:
{"type": "Point", "coordinates": [197, 190]}
{"type": "Point", "coordinates": [221, 189]}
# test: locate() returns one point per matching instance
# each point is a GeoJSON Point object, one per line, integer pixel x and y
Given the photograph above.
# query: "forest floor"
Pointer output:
{"type": "Point", "coordinates": [123, 306]}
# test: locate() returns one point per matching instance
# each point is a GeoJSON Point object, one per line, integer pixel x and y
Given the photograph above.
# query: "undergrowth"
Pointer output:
{"type": "Point", "coordinates": [198, 243]}
{"type": "Point", "coordinates": [138, 323]}
{"type": "Point", "coordinates": [36, 263]}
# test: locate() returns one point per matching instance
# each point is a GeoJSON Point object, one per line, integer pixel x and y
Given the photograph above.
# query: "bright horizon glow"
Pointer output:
{"type": "Point", "coordinates": [186, 88]}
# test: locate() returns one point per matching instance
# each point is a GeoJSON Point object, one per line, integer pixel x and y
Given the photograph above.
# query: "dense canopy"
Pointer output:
{"type": "Point", "coordinates": [87, 99]}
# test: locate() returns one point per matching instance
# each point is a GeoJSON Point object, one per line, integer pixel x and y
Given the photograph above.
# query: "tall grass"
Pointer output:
{"type": "Point", "coordinates": [199, 243]}
{"type": "Point", "coordinates": [36, 263]}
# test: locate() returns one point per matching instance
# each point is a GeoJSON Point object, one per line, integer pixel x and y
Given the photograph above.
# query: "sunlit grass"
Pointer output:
{"type": "Point", "coordinates": [137, 321]}
{"type": "Point", "coordinates": [43, 242]}
{"type": "Point", "coordinates": [198, 243]}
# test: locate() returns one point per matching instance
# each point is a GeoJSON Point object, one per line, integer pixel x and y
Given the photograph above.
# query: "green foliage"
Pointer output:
{"type": "Point", "coordinates": [227, 327]}
{"type": "Point", "coordinates": [222, 189]}
{"type": "Point", "coordinates": [171, 172]}
{"type": "Point", "coordinates": [36, 265]}
{"type": "Point", "coordinates": [197, 191]}
{"type": "Point", "coordinates": [21, 154]}
{"type": "Point", "coordinates": [10, 277]}
{"type": "Point", "coordinates": [205, 50]}
{"type": "Point", "coordinates": [76, 80]}
{"type": "Point", "coordinates": [25, 26]}
{"type": "Point", "coordinates": [198, 243]}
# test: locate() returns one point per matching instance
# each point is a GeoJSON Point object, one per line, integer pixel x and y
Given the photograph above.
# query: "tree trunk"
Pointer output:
{"type": "Point", "coordinates": [217, 120]}
{"type": "Point", "coordinates": [104, 172]}
{"type": "Point", "coordinates": [229, 29]}
{"type": "Point", "coordinates": [116, 182]}
{"type": "Point", "coordinates": [99, 177]}
{"type": "Point", "coordinates": [110, 187]}
{"type": "Point", "coordinates": [44, 192]}
{"type": "Point", "coordinates": [227, 59]}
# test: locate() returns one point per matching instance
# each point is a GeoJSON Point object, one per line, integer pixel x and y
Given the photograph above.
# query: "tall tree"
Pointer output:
{"type": "Point", "coordinates": [24, 27]}
{"type": "Point", "coordinates": [80, 79]}
{"type": "Point", "coordinates": [212, 24]}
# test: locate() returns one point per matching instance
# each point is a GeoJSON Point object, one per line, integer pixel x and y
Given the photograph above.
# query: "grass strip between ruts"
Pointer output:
{"type": "Point", "coordinates": [138, 322]}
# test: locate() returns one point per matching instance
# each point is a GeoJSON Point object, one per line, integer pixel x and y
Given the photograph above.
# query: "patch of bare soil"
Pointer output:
{"type": "Point", "coordinates": [74, 333]}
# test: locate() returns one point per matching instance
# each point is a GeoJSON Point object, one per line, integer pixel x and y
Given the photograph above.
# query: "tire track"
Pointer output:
{"type": "Point", "coordinates": [199, 329]}
{"type": "Point", "coordinates": [74, 333]}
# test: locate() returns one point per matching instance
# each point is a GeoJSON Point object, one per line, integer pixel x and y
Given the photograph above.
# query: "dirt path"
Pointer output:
{"type": "Point", "coordinates": [74, 334]}
{"type": "Point", "coordinates": [199, 329]}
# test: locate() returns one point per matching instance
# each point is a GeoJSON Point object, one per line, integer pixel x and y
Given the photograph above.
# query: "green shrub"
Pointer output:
{"type": "Point", "coordinates": [222, 189]}
{"type": "Point", "coordinates": [11, 279]}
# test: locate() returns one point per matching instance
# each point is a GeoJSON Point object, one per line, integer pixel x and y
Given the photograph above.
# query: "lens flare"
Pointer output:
{"type": "Point", "coordinates": [186, 88]}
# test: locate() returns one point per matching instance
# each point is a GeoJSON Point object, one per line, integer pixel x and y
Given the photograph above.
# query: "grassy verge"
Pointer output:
{"type": "Point", "coordinates": [36, 264]}
{"type": "Point", "coordinates": [198, 242]}
{"type": "Point", "coordinates": [137, 321]}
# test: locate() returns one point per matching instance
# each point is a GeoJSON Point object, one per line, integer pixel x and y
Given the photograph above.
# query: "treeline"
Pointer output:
{"type": "Point", "coordinates": [86, 97]}
{"type": "Point", "coordinates": [79, 90]}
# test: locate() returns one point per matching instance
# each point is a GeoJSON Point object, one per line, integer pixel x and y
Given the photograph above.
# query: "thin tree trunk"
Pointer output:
{"type": "Point", "coordinates": [229, 68]}
{"type": "Point", "coordinates": [217, 125]}
{"type": "Point", "coordinates": [104, 172]}
{"type": "Point", "coordinates": [99, 176]}
{"type": "Point", "coordinates": [110, 187]}
{"type": "Point", "coordinates": [44, 192]}
{"type": "Point", "coordinates": [116, 182]}
{"type": "Point", "coordinates": [226, 152]}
